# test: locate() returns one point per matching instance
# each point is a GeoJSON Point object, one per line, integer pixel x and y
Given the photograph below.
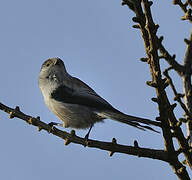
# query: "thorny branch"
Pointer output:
{"type": "Point", "coordinates": [153, 44]}
{"type": "Point", "coordinates": [186, 8]}
{"type": "Point", "coordinates": [178, 97]}
{"type": "Point", "coordinates": [112, 147]}
{"type": "Point", "coordinates": [187, 86]}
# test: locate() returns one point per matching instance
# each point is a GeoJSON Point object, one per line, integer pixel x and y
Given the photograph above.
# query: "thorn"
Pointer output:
{"type": "Point", "coordinates": [166, 84]}
{"type": "Point", "coordinates": [156, 28]}
{"type": "Point", "coordinates": [161, 57]}
{"type": "Point", "coordinates": [150, 3]}
{"type": "Point", "coordinates": [174, 134]}
{"type": "Point", "coordinates": [181, 95]}
{"type": "Point", "coordinates": [161, 39]}
{"type": "Point", "coordinates": [136, 145]}
{"type": "Point", "coordinates": [187, 15]}
{"type": "Point", "coordinates": [183, 120]}
{"type": "Point", "coordinates": [189, 94]}
{"type": "Point", "coordinates": [114, 142]}
{"type": "Point", "coordinates": [178, 124]}
{"type": "Point", "coordinates": [155, 100]}
{"type": "Point", "coordinates": [12, 113]}
{"type": "Point", "coordinates": [152, 84]}
{"type": "Point", "coordinates": [173, 106]}
{"type": "Point", "coordinates": [67, 142]}
{"type": "Point", "coordinates": [123, 3]}
{"type": "Point", "coordinates": [164, 80]}
{"type": "Point", "coordinates": [184, 162]}
{"type": "Point", "coordinates": [157, 73]}
{"type": "Point", "coordinates": [111, 153]}
{"type": "Point", "coordinates": [187, 41]}
{"type": "Point", "coordinates": [178, 96]}
{"type": "Point", "coordinates": [175, 2]}
{"type": "Point", "coordinates": [174, 56]}
{"type": "Point", "coordinates": [72, 132]}
{"type": "Point", "coordinates": [39, 128]}
{"type": "Point", "coordinates": [136, 26]}
{"type": "Point", "coordinates": [143, 59]}
{"type": "Point", "coordinates": [136, 19]}
{"type": "Point", "coordinates": [30, 120]}
{"type": "Point", "coordinates": [180, 170]}
{"type": "Point", "coordinates": [158, 119]}
{"type": "Point", "coordinates": [128, 3]}
{"type": "Point", "coordinates": [17, 108]}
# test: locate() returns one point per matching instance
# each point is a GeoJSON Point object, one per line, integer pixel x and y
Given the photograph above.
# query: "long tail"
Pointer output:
{"type": "Point", "coordinates": [132, 120]}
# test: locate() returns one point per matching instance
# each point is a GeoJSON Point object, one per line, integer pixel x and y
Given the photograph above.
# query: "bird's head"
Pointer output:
{"type": "Point", "coordinates": [52, 66]}
{"type": "Point", "coordinates": [52, 70]}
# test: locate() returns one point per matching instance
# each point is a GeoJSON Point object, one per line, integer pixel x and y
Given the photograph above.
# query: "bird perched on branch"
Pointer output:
{"type": "Point", "coordinates": [75, 103]}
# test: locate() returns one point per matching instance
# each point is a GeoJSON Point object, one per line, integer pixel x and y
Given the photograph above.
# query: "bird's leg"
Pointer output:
{"type": "Point", "coordinates": [87, 135]}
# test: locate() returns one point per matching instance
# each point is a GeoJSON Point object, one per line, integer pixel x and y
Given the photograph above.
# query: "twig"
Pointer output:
{"type": "Point", "coordinates": [72, 138]}
{"type": "Point", "coordinates": [177, 95]}
{"type": "Point", "coordinates": [183, 6]}
{"type": "Point", "coordinates": [170, 59]}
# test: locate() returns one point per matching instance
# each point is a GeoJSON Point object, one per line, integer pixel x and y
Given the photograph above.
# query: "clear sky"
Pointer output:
{"type": "Point", "coordinates": [98, 44]}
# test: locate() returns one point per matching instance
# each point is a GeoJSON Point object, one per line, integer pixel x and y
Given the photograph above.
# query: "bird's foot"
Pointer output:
{"type": "Point", "coordinates": [87, 136]}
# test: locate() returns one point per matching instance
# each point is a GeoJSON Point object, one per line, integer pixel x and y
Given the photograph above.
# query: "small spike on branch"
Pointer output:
{"type": "Point", "coordinates": [136, 144]}
{"type": "Point", "coordinates": [136, 19]}
{"type": "Point", "coordinates": [143, 59]}
{"type": "Point", "coordinates": [114, 142]}
{"type": "Point", "coordinates": [136, 26]}
{"type": "Point", "coordinates": [12, 113]}
{"type": "Point", "coordinates": [152, 84]}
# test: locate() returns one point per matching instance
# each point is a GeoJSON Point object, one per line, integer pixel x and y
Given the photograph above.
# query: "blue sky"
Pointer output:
{"type": "Point", "coordinates": [97, 43]}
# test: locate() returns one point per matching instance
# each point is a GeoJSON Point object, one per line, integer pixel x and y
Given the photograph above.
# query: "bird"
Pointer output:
{"type": "Point", "coordinates": [76, 104]}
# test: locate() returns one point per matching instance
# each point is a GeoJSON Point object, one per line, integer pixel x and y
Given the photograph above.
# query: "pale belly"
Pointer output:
{"type": "Point", "coordinates": [73, 115]}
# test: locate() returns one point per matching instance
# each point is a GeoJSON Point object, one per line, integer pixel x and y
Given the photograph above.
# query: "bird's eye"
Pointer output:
{"type": "Point", "coordinates": [48, 64]}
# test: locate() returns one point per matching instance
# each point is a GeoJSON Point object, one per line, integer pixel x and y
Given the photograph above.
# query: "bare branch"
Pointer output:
{"type": "Point", "coordinates": [183, 6]}
{"type": "Point", "coordinates": [167, 117]}
{"type": "Point", "coordinates": [177, 95]}
{"type": "Point", "coordinates": [170, 59]}
{"type": "Point", "coordinates": [72, 138]}
{"type": "Point", "coordinates": [187, 86]}
{"type": "Point", "coordinates": [165, 109]}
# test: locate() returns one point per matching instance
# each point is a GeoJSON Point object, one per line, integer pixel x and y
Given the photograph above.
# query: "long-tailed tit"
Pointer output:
{"type": "Point", "coordinates": [75, 103]}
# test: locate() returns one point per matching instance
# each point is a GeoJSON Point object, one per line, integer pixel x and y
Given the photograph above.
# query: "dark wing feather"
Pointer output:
{"type": "Point", "coordinates": [85, 96]}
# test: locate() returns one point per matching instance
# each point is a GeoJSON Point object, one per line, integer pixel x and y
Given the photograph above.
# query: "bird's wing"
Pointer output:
{"type": "Point", "coordinates": [80, 93]}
